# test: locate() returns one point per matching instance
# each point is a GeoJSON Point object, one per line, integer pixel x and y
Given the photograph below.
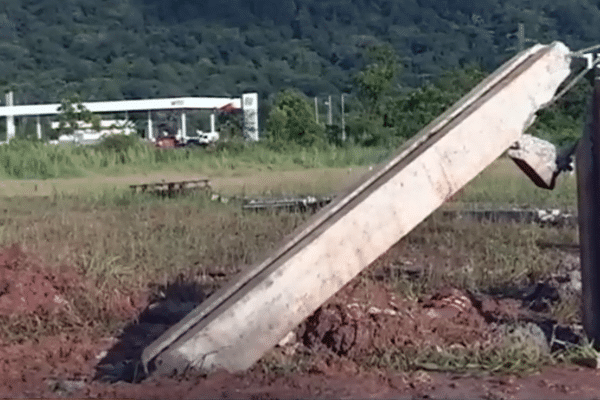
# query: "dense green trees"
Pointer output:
{"type": "Point", "coordinates": [376, 79]}
{"type": "Point", "coordinates": [292, 121]}
{"type": "Point", "coordinates": [412, 110]}
{"type": "Point", "coordinates": [134, 48]}
{"type": "Point", "coordinates": [113, 49]}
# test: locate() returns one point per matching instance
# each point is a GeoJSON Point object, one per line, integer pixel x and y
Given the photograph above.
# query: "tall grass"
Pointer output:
{"type": "Point", "coordinates": [122, 240]}
{"type": "Point", "coordinates": [24, 159]}
{"type": "Point", "coordinates": [502, 184]}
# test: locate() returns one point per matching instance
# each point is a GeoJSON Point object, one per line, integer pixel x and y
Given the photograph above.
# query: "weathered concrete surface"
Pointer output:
{"type": "Point", "coordinates": [236, 325]}
{"type": "Point", "coordinates": [588, 199]}
{"type": "Point", "coordinates": [537, 159]}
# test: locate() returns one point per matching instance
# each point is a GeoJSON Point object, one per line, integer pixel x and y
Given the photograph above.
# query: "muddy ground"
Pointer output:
{"type": "Point", "coordinates": [49, 348]}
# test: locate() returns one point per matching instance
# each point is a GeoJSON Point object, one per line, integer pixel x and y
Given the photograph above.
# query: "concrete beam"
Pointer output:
{"type": "Point", "coordinates": [235, 326]}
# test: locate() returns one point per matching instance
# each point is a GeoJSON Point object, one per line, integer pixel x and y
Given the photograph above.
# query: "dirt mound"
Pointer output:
{"type": "Point", "coordinates": [34, 366]}
{"type": "Point", "coordinates": [26, 287]}
{"type": "Point", "coordinates": [49, 317]}
{"type": "Point", "coordinates": [364, 318]}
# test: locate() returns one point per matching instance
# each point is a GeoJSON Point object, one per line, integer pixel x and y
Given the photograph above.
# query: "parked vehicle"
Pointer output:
{"type": "Point", "coordinates": [203, 138]}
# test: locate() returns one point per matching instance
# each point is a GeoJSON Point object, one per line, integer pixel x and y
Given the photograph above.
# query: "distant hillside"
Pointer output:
{"type": "Point", "coordinates": [110, 49]}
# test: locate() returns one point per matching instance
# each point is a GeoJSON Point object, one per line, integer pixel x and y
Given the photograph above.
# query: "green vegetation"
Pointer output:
{"type": "Point", "coordinates": [135, 49]}
{"type": "Point", "coordinates": [502, 184]}
{"type": "Point", "coordinates": [25, 159]}
{"type": "Point", "coordinates": [128, 244]}
{"type": "Point", "coordinates": [291, 121]}
{"type": "Point", "coordinates": [400, 63]}
{"type": "Point", "coordinates": [71, 113]}
{"type": "Point", "coordinates": [562, 123]}
{"type": "Point", "coordinates": [382, 114]}
{"type": "Point", "coordinates": [375, 80]}
{"type": "Point", "coordinates": [513, 356]}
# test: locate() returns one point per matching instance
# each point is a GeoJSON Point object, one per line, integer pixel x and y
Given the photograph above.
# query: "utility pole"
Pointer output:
{"type": "Point", "coordinates": [10, 120]}
{"type": "Point", "coordinates": [521, 36]}
{"type": "Point", "coordinates": [521, 39]}
{"type": "Point", "coordinates": [316, 110]}
{"type": "Point", "coordinates": [150, 134]}
{"type": "Point", "coordinates": [38, 127]}
{"type": "Point", "coordinates": [329, 112]}
{"type": "Point", "coordinates": [343, 120]}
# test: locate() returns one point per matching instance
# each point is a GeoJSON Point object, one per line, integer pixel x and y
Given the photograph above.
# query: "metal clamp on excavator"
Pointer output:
{"type": "Point", "coordinates": [539, 159]}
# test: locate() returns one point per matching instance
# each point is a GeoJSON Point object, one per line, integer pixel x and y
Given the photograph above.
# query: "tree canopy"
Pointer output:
{"type": "Point", "coordinates": [292, 120]}
{"type": "Point", "coordinates": [113, 49]}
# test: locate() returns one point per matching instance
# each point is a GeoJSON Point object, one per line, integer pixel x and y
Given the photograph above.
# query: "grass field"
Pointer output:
{"type": "Point", "coordinates": [248, 181]}
{"type": "Point", "coordinates": [503, 183]}
{"type": "Point", "coordinates": [129, 243]}
{"type": "Point", "coordinates": [36, 160]}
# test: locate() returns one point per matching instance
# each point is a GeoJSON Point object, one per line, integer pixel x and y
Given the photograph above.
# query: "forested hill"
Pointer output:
{"type": "Point", "coordinates": [111, 49]}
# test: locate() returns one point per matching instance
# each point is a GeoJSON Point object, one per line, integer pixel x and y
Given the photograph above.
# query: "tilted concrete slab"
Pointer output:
{"type": "Point", "coordinates": [236, 325]}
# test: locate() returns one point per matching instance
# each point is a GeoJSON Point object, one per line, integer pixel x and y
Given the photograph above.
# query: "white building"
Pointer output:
{"type": "Point", "coordinates": [248, 103]}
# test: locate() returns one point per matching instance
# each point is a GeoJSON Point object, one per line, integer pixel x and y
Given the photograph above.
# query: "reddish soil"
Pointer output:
{"type": "Point", "coordinates": [366, 318]}
{"type": "Point", "coordinates": [47, 348]}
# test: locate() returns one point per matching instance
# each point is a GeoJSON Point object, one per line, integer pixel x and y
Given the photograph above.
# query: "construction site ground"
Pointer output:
{"type": "Point", "coordinates": [325, 358]}
{"type": "Point", "coordinates": [405, 328]}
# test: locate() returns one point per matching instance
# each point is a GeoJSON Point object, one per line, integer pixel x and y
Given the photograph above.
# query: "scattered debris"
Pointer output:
{"type": "Point", "coordinates": [65, 387]}
{"type": "Point", "coordinates": [302, 204]}
{"type": "Point", "coordinates": [172, 188]}
{"type": "Point", "coordinates": [553, 217]}
{"type": "Point", "coordinates": [363, 317]}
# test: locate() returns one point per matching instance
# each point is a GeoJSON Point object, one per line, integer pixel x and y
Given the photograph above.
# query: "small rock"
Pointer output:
{"type": "Point", "coordinates": [288, 340]}
{"type": "Point", "coordinates": [590, 362]}
{"type": "Point", "coordinates": [529, 333]}
{"type": "Point", "coordinates": [65, 386]}
{"type": "Point", "coordinates": [374, 310]}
